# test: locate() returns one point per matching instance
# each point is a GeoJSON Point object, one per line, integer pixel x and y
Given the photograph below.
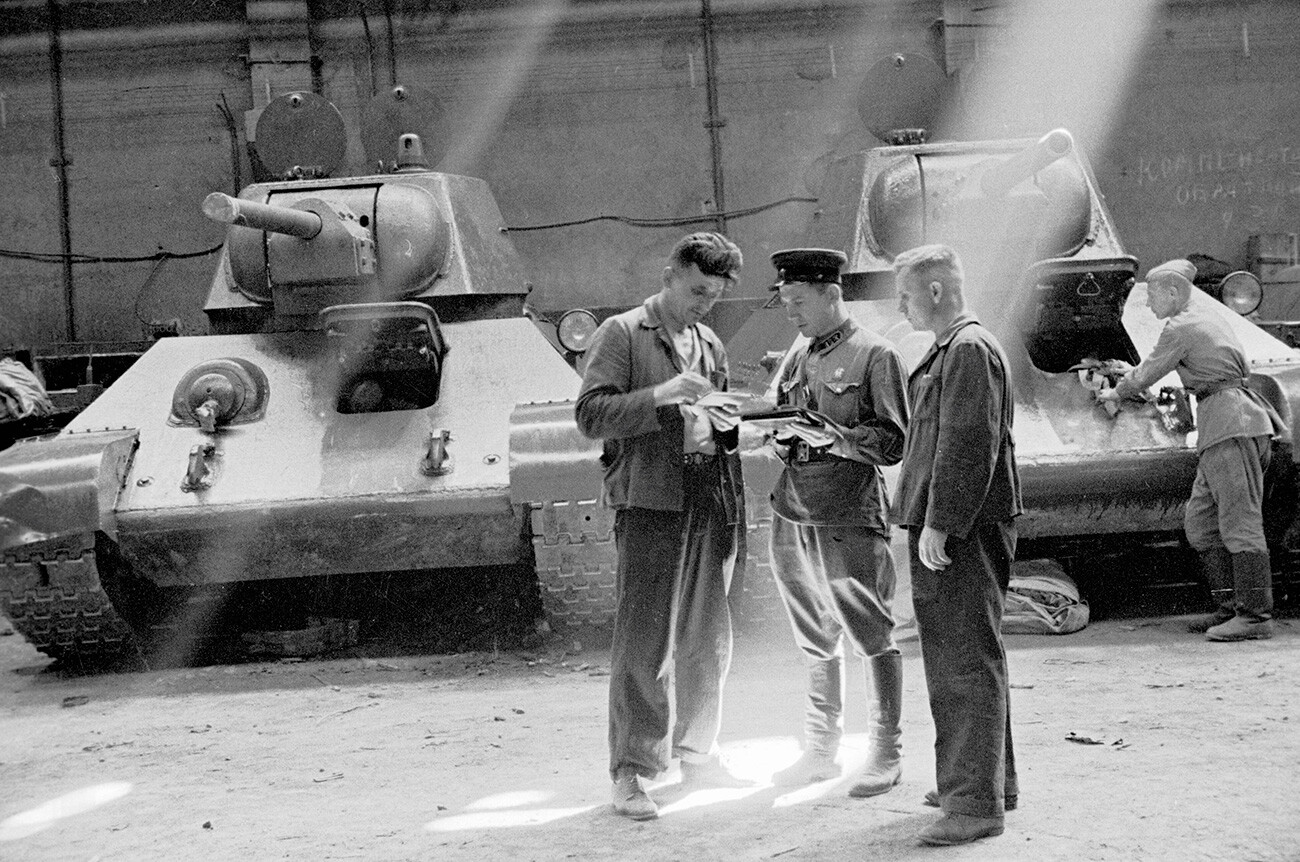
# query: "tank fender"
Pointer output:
{"type": "Point", "coordinates": [549, 457]}
{"type": "Point", "coordinates": [62, 488]}
{"type": "Point", "coordinates": [556, 474]}
{"type": "Point", "coordinates": [1279, 384]}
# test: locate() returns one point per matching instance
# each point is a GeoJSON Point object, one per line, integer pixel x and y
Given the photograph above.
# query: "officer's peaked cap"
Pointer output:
{"type": "Point", "coordinates": [812, 265]}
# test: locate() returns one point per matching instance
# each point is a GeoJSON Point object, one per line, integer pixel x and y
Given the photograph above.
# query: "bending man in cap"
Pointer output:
{"type": "Point", "coordinates": [830, 544]}
{"type": "Point", "coordinates": [958, 495]}
{"type": "Point", "coordinates": [1224, 519]}
{"type": "Point", "coordinates": [673, 476]}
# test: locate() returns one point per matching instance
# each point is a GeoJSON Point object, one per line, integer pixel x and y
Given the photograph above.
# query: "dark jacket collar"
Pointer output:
{"type": "Point", "coordinates": [823, 343]}
{"type": "Point", "coordinates": [950, 331]}
{"type": "Point", "coordinates": [652, 318]}
{"type": "Point", "coordinates": [943, 339]}
{"type": "Point", "coordinates": [654, 315]}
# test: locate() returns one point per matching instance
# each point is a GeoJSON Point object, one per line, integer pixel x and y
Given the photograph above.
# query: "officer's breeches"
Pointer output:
{"type": "Point", "coordinates": [835, 582]}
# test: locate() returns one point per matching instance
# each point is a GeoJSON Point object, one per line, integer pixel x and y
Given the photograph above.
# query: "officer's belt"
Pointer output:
{"type": "Point", "coordinates": [801, 453]}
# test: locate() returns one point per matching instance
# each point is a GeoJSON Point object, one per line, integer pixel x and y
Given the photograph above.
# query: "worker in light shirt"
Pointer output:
{"type": "Point", "coordinates": [1224, 518]}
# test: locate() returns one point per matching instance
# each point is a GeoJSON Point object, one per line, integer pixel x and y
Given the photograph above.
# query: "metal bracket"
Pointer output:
{"type": "Point", "coordinates": [436, 461]}
{"type": "Point", "coordinates": [199, 474]}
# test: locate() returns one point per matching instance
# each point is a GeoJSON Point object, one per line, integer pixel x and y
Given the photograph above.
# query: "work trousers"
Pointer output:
{"type": "Point", "coordinates": [959, 619]}
{"type": "Point", "coordinates": [671, 649]}
{"type": "Point", "coordinates": [1226, 509]}
{"type": "Point", "coordinates": [835, 581]}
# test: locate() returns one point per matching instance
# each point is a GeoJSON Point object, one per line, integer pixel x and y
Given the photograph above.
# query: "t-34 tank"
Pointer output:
{"type": "Point", "coordinates": [348, 415]}
{"type": "Point", "coordinates": [1046, 270]}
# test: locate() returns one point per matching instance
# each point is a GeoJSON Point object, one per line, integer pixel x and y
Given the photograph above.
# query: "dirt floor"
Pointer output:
{"type": "Point", "coordinates": [501, 755]}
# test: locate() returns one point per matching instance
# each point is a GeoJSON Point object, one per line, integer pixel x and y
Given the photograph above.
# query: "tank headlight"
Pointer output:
{"type": "Point", "coordinates": [575, 329]}
{"type": "Point", "coordinates": [1241, 291]}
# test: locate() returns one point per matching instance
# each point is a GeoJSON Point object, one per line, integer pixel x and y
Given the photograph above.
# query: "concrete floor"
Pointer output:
{"type": "Point", "coordinates": [475, 756]}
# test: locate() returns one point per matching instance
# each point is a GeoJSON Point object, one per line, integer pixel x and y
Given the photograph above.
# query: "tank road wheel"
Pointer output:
{"type": "Point", "coordinates": [573, 543]}
{"type": "Point", "coordinates": [174, 626]}
{"type": "Point", "coordinates": [56, 600]}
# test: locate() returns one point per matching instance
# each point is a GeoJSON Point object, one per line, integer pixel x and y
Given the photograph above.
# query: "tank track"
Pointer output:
{"type": "Point", "coordinates": [759, 605]}
{"type": "Point", "coordinates": [56, 600]}
{"type": "Point", "coordinates": [573, 543]}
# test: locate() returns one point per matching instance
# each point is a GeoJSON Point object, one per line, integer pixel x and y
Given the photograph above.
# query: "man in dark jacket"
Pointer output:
{"type": "Point", "coordinates": [673, 476]}
{"type": "Point", "coordinates": [958, 495]}
{"type": "Point", "coordinates": [830, 544]}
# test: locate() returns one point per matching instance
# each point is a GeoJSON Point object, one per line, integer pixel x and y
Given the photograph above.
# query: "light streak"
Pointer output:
{"type": "Point", "coordinates": [48, 813]}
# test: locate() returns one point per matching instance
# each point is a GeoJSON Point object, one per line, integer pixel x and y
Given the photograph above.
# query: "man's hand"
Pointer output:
{"type": "Point", "coordinates": [1116, 367]}
{"type": "Point", "coordinates": [685, 388]}
{"type": "Point", "coordinates": [930, 549]}
{"type": "Point", "coordinates": [813, 435]}
{"type": "Point", "coordinates": [723, 417]}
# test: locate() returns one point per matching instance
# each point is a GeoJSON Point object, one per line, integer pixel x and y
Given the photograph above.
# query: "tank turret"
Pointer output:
{"type": "Point", "coordinates": [349, 415]}
{"type": "Point", "coordinates": [296, 246]}
{"type": "Point", "coordinates": [1001, 204]}
{"type": "Point", "coordinates": [1046, 271]}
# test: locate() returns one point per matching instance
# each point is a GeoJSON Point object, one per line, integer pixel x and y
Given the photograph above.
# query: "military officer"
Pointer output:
{"type": "Point", "coordinates": [830, 545]}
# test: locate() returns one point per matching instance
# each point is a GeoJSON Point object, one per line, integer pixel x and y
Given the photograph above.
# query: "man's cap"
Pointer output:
{"type": "Point", "coordinates": [1179, 266]}
{"type": "Point", "coordinates": [816, 265]}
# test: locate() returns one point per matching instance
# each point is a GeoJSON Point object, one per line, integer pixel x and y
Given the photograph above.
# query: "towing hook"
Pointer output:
{"type": "Point", "coordinates": [436, 461]}
{"type": "Point", "coordinates": [198, 473]}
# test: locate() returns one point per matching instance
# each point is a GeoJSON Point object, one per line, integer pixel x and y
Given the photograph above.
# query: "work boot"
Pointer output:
{"type": "Point", "coordinates": [823, 725]}
{"type": "Point", "coordinates": [954, 828]}
{"type": "Point", "coordinates": [1241, 628]}
{"type": "Point", "coordinates": [812, 766]}
{"type": "Point", "coordinates": [1009, 803]}
{"type": "Point", "coordinates": [1253, 577]}
{"type": "Point", "coordinates": [630, 798]}
{"type": "Point", "coordinates": [882, 770]}
{"type": "Point", "coordinates": [1216, 568]}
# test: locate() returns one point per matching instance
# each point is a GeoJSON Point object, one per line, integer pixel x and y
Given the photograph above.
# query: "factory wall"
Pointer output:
{"type": "Point", "coordinates": [595, 112]}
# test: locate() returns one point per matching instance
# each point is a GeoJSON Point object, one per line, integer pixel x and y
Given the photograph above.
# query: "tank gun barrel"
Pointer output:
{"type": "Point", "coordinates": [1000, 179]}
{"type": "Point", "coordinates": [303, 224]}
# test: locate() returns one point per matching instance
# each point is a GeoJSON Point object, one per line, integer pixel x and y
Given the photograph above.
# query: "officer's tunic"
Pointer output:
{"type": "Point", "coordinates": [830, 544]}
{"type": "Point", "coordinates": [958, 475]}
{"type": "Point", "coordinates": [678, 524]}
{"type": "Point", "coordinates": [1234, 428]}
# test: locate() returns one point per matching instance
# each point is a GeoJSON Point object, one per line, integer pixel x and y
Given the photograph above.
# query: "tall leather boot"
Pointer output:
{"type": "Point", "coordinates": [882, 770]}
{"type": "Point", "coordinates": [1216, 568]}
{"type": "Point", "coordinates": [1254, 594]}
{"type": "Point", "coordinates": [823, 726]}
